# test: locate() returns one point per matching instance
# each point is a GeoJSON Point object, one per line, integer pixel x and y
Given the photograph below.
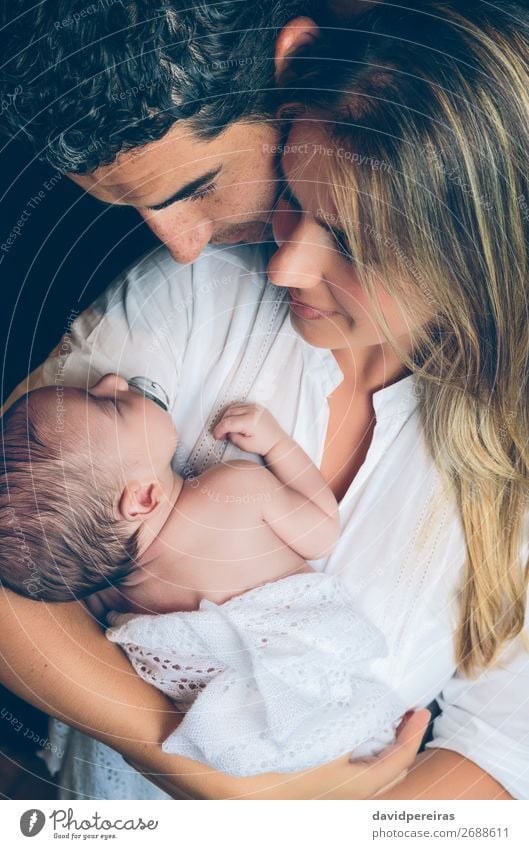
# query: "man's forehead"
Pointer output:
{"type": "Point", "coordinates": [134, 169]}
{"type": "Point", "coordinates": [179, 156]}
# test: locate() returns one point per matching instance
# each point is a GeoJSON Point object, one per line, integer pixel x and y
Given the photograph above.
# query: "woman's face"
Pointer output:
{"type": "Point", "coordinates": [327, 303]}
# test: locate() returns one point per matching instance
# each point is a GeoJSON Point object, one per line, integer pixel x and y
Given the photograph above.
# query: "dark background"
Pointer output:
{"type": "Point", "coordinates": [69, 249]}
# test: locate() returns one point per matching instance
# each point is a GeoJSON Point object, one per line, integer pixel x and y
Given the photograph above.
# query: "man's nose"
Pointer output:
{"type": "Point", "coordinates": [184, 236]}
{"type": "Point", "coordinates": [109, 385]}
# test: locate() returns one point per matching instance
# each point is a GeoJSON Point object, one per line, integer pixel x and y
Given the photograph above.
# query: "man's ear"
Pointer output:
{"type": "Point", "coordinates": [138, 501]}
{"type": "Point", "coordinates": [295, 34]}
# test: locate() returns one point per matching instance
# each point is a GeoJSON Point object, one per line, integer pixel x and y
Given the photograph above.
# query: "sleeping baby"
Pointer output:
{"type": "Point", "coordinates": [204, 581]}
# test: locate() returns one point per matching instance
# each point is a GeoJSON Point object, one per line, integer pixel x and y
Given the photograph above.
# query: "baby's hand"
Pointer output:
{"type": "Point", "coordinates": [250, 427]}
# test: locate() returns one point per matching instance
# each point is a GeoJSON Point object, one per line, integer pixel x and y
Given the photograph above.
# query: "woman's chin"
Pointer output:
{"type": "Point", "coordinates": [322, 333]}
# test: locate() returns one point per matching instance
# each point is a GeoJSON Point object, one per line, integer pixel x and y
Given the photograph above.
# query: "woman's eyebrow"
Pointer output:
{"type": "Point", "coordinates": [285, 190]}
{"type": "Point", "coordinates": [287, 193]}
{"type": "Point", "coordinates": [318, 217]}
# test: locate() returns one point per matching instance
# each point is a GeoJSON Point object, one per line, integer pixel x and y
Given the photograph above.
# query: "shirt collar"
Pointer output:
{"type": "Point", "coordinates": [397, 401]}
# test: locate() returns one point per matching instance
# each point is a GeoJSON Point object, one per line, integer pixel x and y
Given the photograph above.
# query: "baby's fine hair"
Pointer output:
{"type": "Point", "coordinates": [59, 537]}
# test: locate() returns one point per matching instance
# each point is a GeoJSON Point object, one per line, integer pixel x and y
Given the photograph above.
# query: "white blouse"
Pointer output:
{"type": "Point", "coordinates": [214, 331]}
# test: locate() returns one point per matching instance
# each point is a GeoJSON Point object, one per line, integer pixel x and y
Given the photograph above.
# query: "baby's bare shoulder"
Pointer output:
{"type": "Point", "coordinates": [241, 482]}
{"type": "Point", "coordinates": [239, 475]}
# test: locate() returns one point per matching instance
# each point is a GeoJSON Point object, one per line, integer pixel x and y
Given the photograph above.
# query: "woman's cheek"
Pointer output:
{"type": "Point", "coordinates": [349, 294]}
{"type": "Point", "coordinates": [365, 307]}
{"type": "Point", "coordinates": [397, 318]}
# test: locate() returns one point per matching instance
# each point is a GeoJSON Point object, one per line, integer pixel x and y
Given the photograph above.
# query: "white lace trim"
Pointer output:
{"type": "Point", "coordinates": [277, 679]}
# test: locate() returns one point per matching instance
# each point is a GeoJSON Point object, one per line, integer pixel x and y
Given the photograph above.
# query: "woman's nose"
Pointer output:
{"type": "Point", "coordinates": [110, 384]}
{"type": "Point", "coordinates": [297, 263]}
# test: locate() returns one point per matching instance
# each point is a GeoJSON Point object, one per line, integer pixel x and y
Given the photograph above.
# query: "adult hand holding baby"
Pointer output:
{"type": "Point", "coordinates": [342, 778]}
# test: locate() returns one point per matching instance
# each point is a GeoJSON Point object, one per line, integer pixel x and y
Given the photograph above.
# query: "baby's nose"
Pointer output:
{"type": "Point", "coordinates": [110, 384]}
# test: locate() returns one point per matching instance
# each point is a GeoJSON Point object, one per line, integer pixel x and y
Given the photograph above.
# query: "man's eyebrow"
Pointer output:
{"type": "Point", "coordinates": [183, 193]}
{"type": "Point", "coordinates": [189, 189]}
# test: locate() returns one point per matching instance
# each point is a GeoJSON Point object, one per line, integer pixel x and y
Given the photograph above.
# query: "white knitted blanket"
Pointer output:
{"type": "Point", "coordinates": [275, 680]}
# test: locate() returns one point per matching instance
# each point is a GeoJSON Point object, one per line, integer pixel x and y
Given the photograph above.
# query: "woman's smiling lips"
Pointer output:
{"type": "Point", "coordinates": [305, 311]}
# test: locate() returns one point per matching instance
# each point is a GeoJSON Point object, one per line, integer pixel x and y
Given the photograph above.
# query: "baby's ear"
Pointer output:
{"type": "Point", "coordinates": [139, 500]}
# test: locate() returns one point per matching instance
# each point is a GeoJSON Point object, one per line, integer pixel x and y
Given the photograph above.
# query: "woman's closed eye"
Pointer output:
{"type": "Point", "coordinates": [338, 236]}
{"type": "Point", "coordinates": [341, 241]}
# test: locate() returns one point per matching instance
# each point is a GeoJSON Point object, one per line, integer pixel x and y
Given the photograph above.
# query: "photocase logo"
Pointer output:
{"type": "Point", "coordinates": [32, 822]}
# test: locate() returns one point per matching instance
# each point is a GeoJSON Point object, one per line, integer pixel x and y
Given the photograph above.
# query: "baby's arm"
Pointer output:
{"type": "Point", "coordinates": [302, 509]}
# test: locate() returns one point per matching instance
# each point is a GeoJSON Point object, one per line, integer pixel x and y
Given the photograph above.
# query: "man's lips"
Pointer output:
{"type": "Point", "coordinates": [232, 239]}
{"type": "Point", "coordinates": [251, 232]}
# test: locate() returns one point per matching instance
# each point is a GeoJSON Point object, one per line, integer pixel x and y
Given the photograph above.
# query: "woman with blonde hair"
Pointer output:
{"type": "Point", "coordinates": [406, 219]}
{"type": "Point", "coordinates": [403, 242]}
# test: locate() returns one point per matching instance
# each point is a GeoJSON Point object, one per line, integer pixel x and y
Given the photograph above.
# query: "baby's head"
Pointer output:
{"type": "Point", "coordinates": [81, 473]}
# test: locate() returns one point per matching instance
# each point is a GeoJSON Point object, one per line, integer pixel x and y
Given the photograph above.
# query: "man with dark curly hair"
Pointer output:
{"type": "Point", "coordinates": [166, 107]}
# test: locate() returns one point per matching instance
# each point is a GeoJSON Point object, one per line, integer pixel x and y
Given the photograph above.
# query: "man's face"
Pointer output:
{"type": "Point", "coordinates": [191, 192]}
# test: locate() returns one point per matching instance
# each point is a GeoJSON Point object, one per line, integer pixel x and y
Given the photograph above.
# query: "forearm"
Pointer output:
{"type": "Point", "coordinates": [201, 782]}
{"type": "Point", "coordinates": [339, 779]}
{"type": "Point", "coordinates": [443, 774]}
{"type": "Point", "coordinates": [294, 468]}
{"type": "Point", "coordinates": [58, 659]}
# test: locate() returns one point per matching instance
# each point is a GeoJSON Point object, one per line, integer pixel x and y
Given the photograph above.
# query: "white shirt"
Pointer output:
{"type": "Point", "coordinates": [402, 549]}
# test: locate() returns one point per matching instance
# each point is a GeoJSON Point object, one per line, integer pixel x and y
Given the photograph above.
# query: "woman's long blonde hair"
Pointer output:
{"type": "Point", "coordinates": [427, 109]}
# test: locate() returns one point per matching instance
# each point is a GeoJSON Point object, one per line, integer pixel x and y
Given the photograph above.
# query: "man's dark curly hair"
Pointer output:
{"type": "Point", "coordinates": [83, 81]}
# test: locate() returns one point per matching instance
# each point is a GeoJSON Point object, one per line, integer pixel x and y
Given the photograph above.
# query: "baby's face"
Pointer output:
{"type": "Point", "coordinates": [144, 435]}
{"type": "Point", "coordinates": [120, 426]}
